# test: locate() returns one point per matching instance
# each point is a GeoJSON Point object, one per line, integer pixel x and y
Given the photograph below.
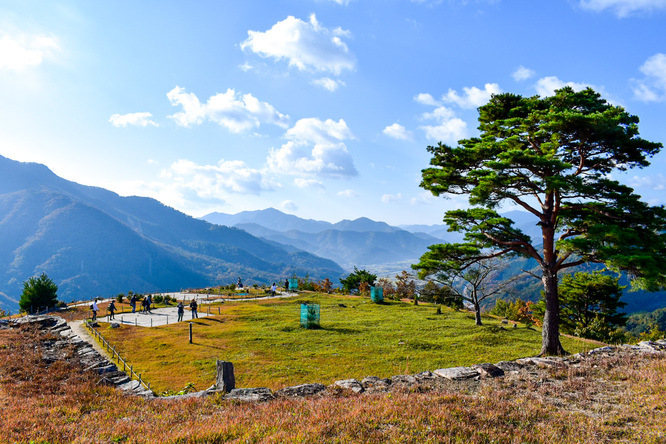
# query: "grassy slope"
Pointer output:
{"type": "Point", "coordinates": [268, 348]}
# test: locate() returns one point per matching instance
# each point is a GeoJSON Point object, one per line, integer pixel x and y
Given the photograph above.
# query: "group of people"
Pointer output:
{"type": "Point", "coordinates": [146, 304]}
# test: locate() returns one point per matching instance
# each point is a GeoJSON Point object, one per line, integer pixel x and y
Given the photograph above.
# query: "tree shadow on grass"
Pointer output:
{"type": "Point", "coordinates": [342, 330]}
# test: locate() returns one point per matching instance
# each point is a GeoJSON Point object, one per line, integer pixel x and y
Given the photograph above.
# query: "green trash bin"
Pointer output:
{"type": "Point", "coordinates": [310, 315]}
{"type": "Point", "coordinates": [377, 294]}
{"type": "Point", "coordinates": [293, 284]}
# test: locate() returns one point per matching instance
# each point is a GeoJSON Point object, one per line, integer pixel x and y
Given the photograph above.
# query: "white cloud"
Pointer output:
{"type": "Point", "coordinates": [215, 181]}
{"type": "Point", "coordinates": [652, 87]}
{"type": "Point", "coordinates": [235, 112]}
{"type": "Point", "coordinates": [18, 53]}
{"type": "Point", "coordinates": [522, 73]}
{"type": "Point", "coordinates": [425, 99]}
{"type": "Point", "coordinates": [133, 119]}
{"type": "Point", "coordinates": [306, 45]}
{"type": "Point", "coordinates": [424, 198]}
{"type": "Point", "coordinates": [289, 205]}
{"type": "Point", "coordinates": [317, 131]}
{"type": "Point", "coordinates": [315, 147]}
{"type": "Point", "coordinates": [328, 83]}
{"type": "Point", "coordinates": [387, 198]}
{"type": "Point", "coordinates": [448, 128]}
{"type": "Point", "coordinates": [546, 86]}
{"type": "Point", "coordinates": [348, 194]}
{"type": "Point", "coordinates": [654, 183]}
{"type": "Point", "coordinates": [472, 97]}
{"type": "Point", "coordinates": [624, 8]}
{"type": "Point", "coordinates": [308, 183]}
{"type": "Point", "coordinates": [397, 131]}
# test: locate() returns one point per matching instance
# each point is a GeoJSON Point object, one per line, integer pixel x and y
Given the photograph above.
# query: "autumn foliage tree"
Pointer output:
{"type": "Point", "coordinates": [552, 157]}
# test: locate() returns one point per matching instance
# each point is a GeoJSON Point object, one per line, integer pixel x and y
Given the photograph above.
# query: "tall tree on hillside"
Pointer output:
{"type": "Point", "coordinates": [38, 292]}
{"type": "Point", "coordinates": [553, 157]}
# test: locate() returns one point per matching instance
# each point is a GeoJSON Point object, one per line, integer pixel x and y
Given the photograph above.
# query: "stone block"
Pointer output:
{"type": "Point", "coordinates": [455, 373]}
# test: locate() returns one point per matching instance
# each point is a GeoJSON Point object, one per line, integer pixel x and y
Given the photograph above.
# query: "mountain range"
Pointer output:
{"type": "Point", "coordinates": [93, 242]}
{"type": "Point", "coordinates": [361, 242]}
{"type": "Point", "coordinates": [386, 250]}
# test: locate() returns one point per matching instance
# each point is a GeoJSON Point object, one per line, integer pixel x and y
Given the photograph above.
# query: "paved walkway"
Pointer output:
{"type": "Point", "coordinates": [169, 315]}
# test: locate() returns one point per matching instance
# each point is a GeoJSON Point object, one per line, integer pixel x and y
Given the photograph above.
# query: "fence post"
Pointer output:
{"type": "Point", "coordinates": [190, 332]}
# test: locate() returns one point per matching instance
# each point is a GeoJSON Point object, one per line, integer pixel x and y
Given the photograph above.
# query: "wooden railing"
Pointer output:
{"type": "Point", "coordinates": [115, 355]}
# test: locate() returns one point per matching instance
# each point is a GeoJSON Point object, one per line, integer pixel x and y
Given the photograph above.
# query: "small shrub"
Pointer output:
{"type": "Point", "coordinates": [158, 299]}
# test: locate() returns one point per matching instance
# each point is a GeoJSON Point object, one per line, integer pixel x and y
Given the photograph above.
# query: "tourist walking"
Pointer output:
{"type": "Point", "coordinates": [273, 289]}
{"type": "Point", "coordinates": [150, 302]}
{"type": "Point", "coordinates": [193, 307]}
{"type": "Point", "coordinates": [112, 310]}
{"type": "Point", "coordinates": [286, 285]}
{"type": "Point", "coordinates": [94, 309]}
{"type": "Point", "coordinates": [181, 311]}
{"type": "Point", "coordinates": [133, 303]}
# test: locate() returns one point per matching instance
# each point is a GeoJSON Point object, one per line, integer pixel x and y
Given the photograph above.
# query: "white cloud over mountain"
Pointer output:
{"type": "Point", "coordinates": [624, 8]}
{"type": "Point", "coordinates": [315, 147]}
{"type": "Point", "coordinates": [215, 181]}
{"type": "Point", "coordinates": [231, 110]}
{"type": "Point", "coordinates": [305, 45]}
{"type": "Point", "coordinates": [132, 119]}
{"type": "Point", "coordinates": [20, 52]}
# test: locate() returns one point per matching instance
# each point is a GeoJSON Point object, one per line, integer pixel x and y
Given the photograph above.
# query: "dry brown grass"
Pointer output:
{"type": "Point", "coordinates": [615, 399]}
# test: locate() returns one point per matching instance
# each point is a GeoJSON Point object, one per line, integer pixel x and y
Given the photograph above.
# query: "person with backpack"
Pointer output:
{"type": "Point", "coordinates": [112, 310]}
{"type": "Point", "coordinates": [181, 311]}
{"type": "Point", "coordinates": [193, 307]}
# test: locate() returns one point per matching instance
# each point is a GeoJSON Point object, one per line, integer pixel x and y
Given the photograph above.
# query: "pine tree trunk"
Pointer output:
{"type": "Point", "coordinates": [550, 340]}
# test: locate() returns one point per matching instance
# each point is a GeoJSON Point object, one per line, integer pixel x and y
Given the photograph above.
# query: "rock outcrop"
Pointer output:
{"type": "Point", "coordinates": [89, 358]}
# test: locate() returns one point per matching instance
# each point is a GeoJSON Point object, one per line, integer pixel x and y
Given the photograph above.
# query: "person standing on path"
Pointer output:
{"type": "Point", "coordinates": [273, 289]}
{"type": "Point", "coordinates": [181, 311]}
{"type": "Point", "coordinates": [112, 310]}
{"type": "Point", "coordinates": [94, 309]}
{"type": "Point", "coordinates": [133, 303]}
{"type": "Point", "coordinates": [193, 307]}
{"type": "Point", "coordinates": [150, 302]}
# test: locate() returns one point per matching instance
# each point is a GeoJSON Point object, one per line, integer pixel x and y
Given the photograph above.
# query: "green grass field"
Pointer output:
{"type": "Point", "coordinates": [264, 341]}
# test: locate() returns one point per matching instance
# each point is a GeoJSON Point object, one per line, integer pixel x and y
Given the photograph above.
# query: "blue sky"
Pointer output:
{"type": "Point", "coordinates": [319, 108]}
